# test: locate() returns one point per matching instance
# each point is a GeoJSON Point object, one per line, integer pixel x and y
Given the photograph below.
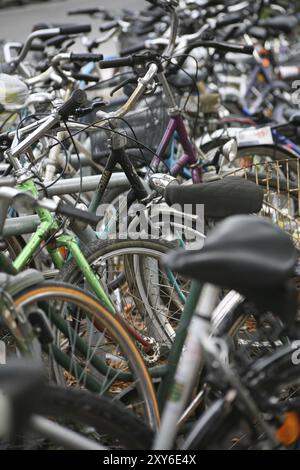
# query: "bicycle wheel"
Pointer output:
{"type": "Point", "coordinates": [91, 349]}
{"type": "Point", "coordinates": [274, 383]}
{"type": "Point", "coordinates": [17, 334]}
{"type": "Point", "coordinates": [145, 293]}
{"type": "Point", "coordinates": [254, 333]}
{"type": "Point", "coordinates": [96, 418]}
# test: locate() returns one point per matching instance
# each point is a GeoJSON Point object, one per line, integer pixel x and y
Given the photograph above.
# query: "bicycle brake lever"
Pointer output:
{"type": "Point", "coordinates": [128, 81]}
{"type": "Point", "coordinates": [81, 112]}
{"type": "Point", "coordinates": [67, 46]}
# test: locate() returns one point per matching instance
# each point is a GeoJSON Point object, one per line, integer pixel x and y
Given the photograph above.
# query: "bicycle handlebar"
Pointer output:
{"type": "Point", "coordinates": [164, 4]}
{"type": "Point", "coordinates": [133, 49]}
{"type": "Point", "coordinates": [8, 195]}
{"type": "Point", "coordinates": [108, 26]}
{"type": "Point", "coordinates": [129, 61]}
{"type": "Point", "coordinates": [86, 57]}
{"type": "Point", "coordinates": [223, 46]}
{"type": "Point", "coordinates": [75, 29]}
{"type": "Point", "coordinates": [48, 33]}
{"type": "Point", "coordinates": [86, 11]}
{"type": "Point", "coordinates": [75, 213]}
{"type": "Point", "coordinates": [77, 99]}
{"type": "Point", "coordinates": [228, 20]}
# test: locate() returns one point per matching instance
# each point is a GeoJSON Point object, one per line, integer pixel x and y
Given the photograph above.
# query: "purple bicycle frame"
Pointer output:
{"type": "Point", "coordinates": [176, 124]}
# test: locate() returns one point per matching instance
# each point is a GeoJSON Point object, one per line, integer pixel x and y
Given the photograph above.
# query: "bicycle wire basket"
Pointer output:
{"type": "Point", "coordinates": [148, 121]}
{"type": "Point", "coordinates": [280, 181]}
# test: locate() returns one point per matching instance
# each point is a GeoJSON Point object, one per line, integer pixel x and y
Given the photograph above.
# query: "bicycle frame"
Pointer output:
{"type": "Point", "coordinates": [48, 225]}
{"type": "Point", "coordinates": [176, 126]}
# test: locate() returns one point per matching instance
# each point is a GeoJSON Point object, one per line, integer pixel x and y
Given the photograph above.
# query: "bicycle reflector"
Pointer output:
{"type": "Point", "coordinates": [289, 431]}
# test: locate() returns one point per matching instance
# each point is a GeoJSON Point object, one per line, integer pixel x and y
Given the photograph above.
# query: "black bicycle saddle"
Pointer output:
{"type": "Point", "coordinates": [222, 198]}
{"type": "Point", "coordinates": [242, 252]}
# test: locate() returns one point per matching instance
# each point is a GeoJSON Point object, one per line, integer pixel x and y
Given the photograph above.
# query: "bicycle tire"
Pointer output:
{"type": "Point", "coordinates": [113, 423]}
{"type": "Point", "coordinates": [58, 292]}
{"type": "Point", "coordinates": [268, 376]}
{"type": "Point", "coordinates": [102, 249]}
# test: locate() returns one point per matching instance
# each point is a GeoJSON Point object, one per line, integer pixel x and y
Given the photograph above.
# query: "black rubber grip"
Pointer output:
{"type": "Point", "coordinates": [238, 48]}
{"type": "Point", "coordinates": [37, 47]}
{"type": "Point", "coordinates": [107, 26]}
{"type": "Point", "coordinates": [77, 99]}
{"type": "Point", "coordinates": [39, 26]}
{"type": "Point", "coordinates": [86, 57]}
{"type": "Point", "coordinates": [133, 49]}
{"type": "Point", "coordinates": [143, 31]}
{"type": "Point", "coordinates": [85, 77]}
{"type": "Point", "coordinates": [75, 29]}
{"type": "Point", "coordinates": [224, 47]}
{"type": "Point", "coordinates": [85, 11]}
{"type": "Point", "coordinates": [74, 213]}
{"type": "Point", "coordinates": [228, 19]}
{"type": "Point", "coordinates": [57, 41]}
{"type": "Point", "coordinates": [112, 63]}
{"type": "Point", "coordinates": [128, 61]}
{"type": "Point", "coordinates": [163, 4]}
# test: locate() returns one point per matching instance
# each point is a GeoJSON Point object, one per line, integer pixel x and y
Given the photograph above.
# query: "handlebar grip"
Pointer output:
{"type": "Point", "coordinates": [75, 29]}
{"type": "Point", "coordinates": [85, 11]}
{"type": "Point", "coordinates": [128, 61]}
{"type": "Point", "coordinates": [77, 99]}
{"type": "Point", "coordinates": [107, 26]}
{"type": "Point", "coordinates": [240, 49]}
{"type": "Point", "coordinates": [39, 26]}
{"type": "Point", "coordinates": [132, 50]}
{"type": "Point", "coordinates": [143, 31]}
{"type": "Point", "coordinates": [225, 47]}
{"type": "Point", "coordinates": [86, 57]}
{"type": "Point", "coordinates": [122, 62]}
{"type": "Point", "coordinates": [57, 41]}
{"type": "Point", "coordinates": [228, 20]}
{"type": "Point", "coordinates": [163, 3]}
{"type": "Point", "coordinates": [37, 47]}
{"type": "Point", "coordinates": [248, 50]}
{"type": "Point", "coordinates": [74, 213]}
{"type": "Point", "coordinates": [85, 77]}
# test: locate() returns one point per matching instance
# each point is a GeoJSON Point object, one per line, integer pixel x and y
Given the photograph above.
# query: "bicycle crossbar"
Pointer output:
{"type": "Point", "coordinates": [28, 224]}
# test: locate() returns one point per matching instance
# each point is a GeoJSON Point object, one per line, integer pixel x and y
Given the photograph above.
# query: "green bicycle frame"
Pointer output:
{"type": "Point", "coordinates": [48, 225]}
